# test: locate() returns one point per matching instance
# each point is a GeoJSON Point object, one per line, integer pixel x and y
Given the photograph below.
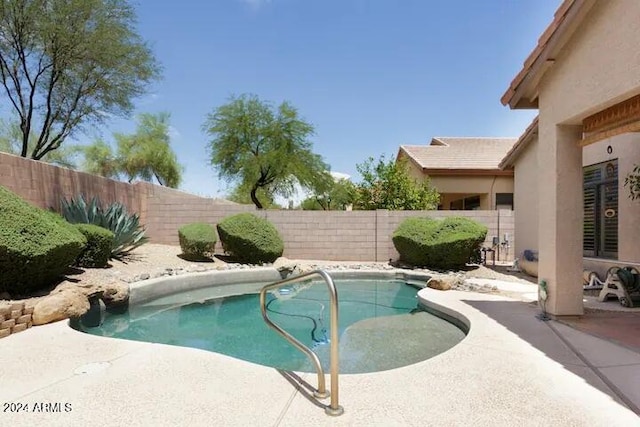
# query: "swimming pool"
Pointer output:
{"type": "Point", "coordinates": [381, 325]}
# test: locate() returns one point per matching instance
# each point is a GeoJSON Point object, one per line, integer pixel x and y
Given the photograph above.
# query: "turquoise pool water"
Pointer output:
{"type": "Point", "coordinates": [381, 325]}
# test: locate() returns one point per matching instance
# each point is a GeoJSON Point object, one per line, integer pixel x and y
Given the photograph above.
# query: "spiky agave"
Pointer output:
{"type": "Point", "coordinates": [128, 233]}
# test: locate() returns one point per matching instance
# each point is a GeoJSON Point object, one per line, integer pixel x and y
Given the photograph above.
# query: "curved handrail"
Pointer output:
{"type": "Point", "coordinates": [334, 408]}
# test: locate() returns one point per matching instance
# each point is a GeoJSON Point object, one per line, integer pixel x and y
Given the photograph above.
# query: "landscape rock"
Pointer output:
{"type": "Point", "coordinates": [60, 306]}
{"type": "Point", "coordinates": [440, 283]}
{"type": "Point", "coordinates": [282, 263]}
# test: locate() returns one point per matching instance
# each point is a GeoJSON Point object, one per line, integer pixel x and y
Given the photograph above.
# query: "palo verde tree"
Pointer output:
{"type": "Point", "coordinates": [67, 64]}
{"type": "Point", "coordinates": [146, 154]}
{"type": "Point", "coordinates": [262, 147]}
{"type": "Point", "coordinates": [388, 185]}
{"type": "Point", "coordinates": [243, 196]}
{"type": "Point", "coordinates": [339, 194]}
{"type": "Point", "coordinates": [11, 142]}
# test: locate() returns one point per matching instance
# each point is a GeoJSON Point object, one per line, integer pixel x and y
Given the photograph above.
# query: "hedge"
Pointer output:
{"type": "Point", "coordinates": [440, 244]}
{"type": "Point", "coordinates": [36, 246]}
{"type": "Point", "coordinates": [250, 239]}
{"type": "Point", "coordinates": [197, 240]}
{"type": "Point", "coordinates": [97, 251]}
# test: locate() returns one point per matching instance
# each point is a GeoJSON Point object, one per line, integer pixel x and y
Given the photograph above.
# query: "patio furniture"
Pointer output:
{"type": "Point", "coordinates": [623, 283]}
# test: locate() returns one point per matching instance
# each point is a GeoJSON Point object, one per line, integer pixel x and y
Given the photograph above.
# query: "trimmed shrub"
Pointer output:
{"type": "Point", "coordinates": [36, 246]}
{"type": "Point", "coordinates": [250, 239]}
{"type": "Point", "coordinates": [441, 244]}
{"type": "Point", "coordinates": [98, 248]}
{"type": "Point", "coordinates": [197, 240]}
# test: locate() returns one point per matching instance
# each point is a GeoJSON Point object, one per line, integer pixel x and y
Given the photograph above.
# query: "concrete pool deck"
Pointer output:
{"type": "Point", "coordinates": [511, 369]}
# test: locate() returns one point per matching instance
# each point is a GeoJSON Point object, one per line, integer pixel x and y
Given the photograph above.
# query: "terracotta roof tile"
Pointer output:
{"type": "Point", "coordinates": [520, 145]}
{"type": "Point", "coordinates": [460, 153]}
{"type": "Point", "coordinates": [559, 19]}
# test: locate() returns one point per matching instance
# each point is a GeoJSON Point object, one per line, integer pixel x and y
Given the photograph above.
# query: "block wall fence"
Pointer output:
{"type": "Point", "coordinates": [320, 235]}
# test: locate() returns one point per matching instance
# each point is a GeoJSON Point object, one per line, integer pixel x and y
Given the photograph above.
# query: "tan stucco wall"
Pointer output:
{"type": "Point", "coordinates": [525, 198]}
{"type": "Point", "coordinates": [453, 188]}
{"type": "Point", "coordinates": [625, 148]}
{"type": "Point", "coordinates": [457, 187]}
{"type": "Point", "coordinates": [598, 67]}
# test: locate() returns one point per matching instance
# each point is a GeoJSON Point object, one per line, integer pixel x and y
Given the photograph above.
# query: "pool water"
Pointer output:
{"type": "Point", "coordinates": [381, 326]}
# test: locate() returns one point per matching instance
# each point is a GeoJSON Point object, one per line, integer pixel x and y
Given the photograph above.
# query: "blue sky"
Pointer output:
{"type": "Point", "coordinates": [369, 74]}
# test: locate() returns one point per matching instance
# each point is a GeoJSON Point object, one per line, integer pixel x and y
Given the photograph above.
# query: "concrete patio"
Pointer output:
{"type": "Point", "coordinates": [511, 369]}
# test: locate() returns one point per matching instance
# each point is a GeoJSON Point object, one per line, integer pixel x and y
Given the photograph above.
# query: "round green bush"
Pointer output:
{"type": "Point", "coordinates": [98, 248]}
{"type": "Point", "coordinates": [441, 244]}
{"type": "Point", "coordinates": [197, 240]}
{"type": "Point", "coordinates": [36, 246]}
{"type": "Point", "coordinates": [250, 239]}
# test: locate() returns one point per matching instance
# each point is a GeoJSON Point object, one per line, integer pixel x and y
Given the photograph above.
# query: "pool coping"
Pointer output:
{"type": "Point", "coordinates": [510, 369]}
{"type": "Point", "coordinates": [147, 290]}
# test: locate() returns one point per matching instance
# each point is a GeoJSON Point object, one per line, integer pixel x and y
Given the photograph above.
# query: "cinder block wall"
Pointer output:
{"type": "Point", "coordinates": [332, 235]}
{"type": "Point", "coordinates": [43, 184]}
{"type": "Point", "coordinates": [326, 235]}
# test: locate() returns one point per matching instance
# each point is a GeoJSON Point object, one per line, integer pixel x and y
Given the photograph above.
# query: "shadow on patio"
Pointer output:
{"type": "Point", "coordinates": [603, 364]}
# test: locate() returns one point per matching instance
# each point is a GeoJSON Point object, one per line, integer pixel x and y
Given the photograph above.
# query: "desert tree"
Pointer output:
{"type": "Point", "coordinates": [337, 195]}
{"type": "Point", "coordinates": [11, 142]}
{"type": "Point", "coordinates": [262, 147]}
{"type": "Point", "coordinates": [69, 64]}
{"type": "Point", "coordinates": [145, 154]}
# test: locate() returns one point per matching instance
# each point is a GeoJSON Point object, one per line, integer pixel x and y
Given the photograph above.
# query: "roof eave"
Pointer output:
{"type": "Point", "coordinates": [467, 172]}
{"type": "Point", "coordinates": [509, 159]}
{"type": "Point", "coordinates": [523, 90]}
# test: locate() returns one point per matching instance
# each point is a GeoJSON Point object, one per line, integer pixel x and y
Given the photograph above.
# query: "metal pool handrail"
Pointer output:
{"type": "Point", "coordinates": [334, 408]}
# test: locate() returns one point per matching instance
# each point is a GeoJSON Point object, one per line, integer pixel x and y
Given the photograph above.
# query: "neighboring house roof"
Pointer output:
{"type": "Point", "coordinates": [521, 92]}
{"type": "Point", "coordinates": [451, 156]}
{"type": "Point", "coordinates": [522, 143]}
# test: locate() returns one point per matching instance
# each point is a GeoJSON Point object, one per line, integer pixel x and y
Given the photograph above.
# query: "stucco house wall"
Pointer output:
{"type": "Point", "coordinates": [626, 149]}
{"type": "Point", "coordinates": [526, 198]}
{"type": "Point", "coordinates": [598, 67]}
{"type": "Point", "coordinates": [456, 185]}
{"type": "Point", "coordinates": [585, 62]}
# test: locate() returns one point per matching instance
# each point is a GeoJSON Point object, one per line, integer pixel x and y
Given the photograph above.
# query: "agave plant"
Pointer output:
{"type": "Point", "coordinates": [128, 232]}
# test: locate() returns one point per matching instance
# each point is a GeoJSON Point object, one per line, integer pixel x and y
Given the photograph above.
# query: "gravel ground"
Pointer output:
{"type": "Point", "coordinates": [153, 260]}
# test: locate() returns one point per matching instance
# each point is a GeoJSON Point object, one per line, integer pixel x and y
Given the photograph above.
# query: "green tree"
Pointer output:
{"type": "Point", "coordinates": [67, 64]}
{"type": "Point", "coordinates": [632, 182]}
{"type": "Point", "coordinates": [262, 147]}
{"type": "Point", "coordinates": [387, 185]}
{"type": "Point", "coordinates": [337, 196]}
{"type": "Point", "coordinates": [242, 195]}
{"type": "Point", "coordinates": [145, 154]}
{"type": "Point", "coordinates": [99, 159]}
{"type": "Point", "coordinates": [10, 142]}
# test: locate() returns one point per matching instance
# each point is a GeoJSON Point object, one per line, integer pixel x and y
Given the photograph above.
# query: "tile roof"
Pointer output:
{"type": "Point", "coordinates": [460, 153]}
{"type": "Point", "coordinates": [524, 140]}
{"type": "Point", "coordinates": [570, 12]}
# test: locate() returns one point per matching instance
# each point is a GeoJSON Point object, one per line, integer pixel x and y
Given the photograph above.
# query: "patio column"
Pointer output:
{"type": "Point", "coordinates": [560, 217]}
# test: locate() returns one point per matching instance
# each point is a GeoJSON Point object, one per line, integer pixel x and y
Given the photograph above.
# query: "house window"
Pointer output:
{"type": "Point", "coordinates": [466, 204]}
{"type": "Point", "coordinates": [504, 201]}
{"type": "Point", "coordinates": [600, 192]}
